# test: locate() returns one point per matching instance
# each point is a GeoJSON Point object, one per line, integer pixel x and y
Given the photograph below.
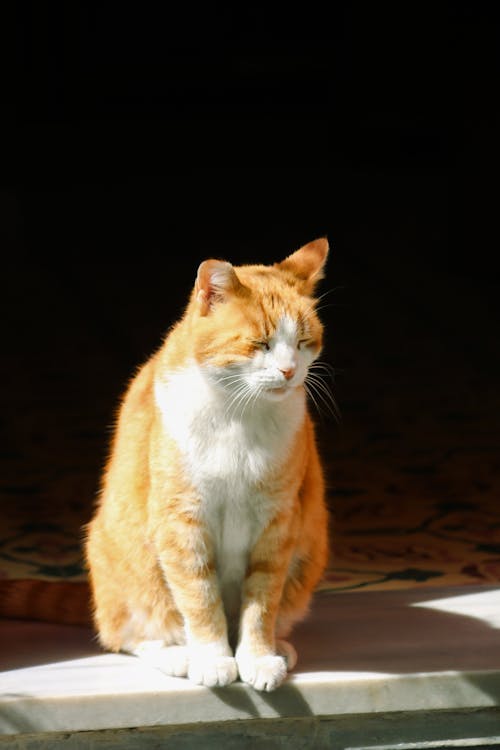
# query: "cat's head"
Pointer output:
{"type": "Point", "coordinates": [255, 330]}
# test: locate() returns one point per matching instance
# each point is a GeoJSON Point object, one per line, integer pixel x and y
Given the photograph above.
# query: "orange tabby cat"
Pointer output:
{"type": "Point", "coordinates": [211, 532]}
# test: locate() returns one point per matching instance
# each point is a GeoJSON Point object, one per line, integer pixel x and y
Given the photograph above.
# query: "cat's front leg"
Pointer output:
{"type": "Point", "coordinates": [187, 559]}
{"type": "Point", "coordinates": [262, 661]}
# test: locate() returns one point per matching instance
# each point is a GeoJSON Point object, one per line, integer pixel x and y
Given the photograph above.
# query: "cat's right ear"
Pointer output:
{"type": "Point", "coordinates": [215, 282]}
{"type": "Point", "coordinates": [307, 263]}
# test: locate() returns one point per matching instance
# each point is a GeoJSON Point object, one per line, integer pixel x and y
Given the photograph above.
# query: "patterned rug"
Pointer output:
{"type": "Point", "coordinates": [413, 465]}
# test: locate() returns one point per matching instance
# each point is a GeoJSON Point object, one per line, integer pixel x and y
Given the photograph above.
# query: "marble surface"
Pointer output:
{"type": "Point", "coordinates": [359, 653]}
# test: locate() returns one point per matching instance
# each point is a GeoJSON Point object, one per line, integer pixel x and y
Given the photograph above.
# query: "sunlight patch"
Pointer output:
{"type": "Point", "coordinates": [482, 605]}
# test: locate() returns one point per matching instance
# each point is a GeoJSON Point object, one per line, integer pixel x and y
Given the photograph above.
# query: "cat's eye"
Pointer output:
{"type": "Point", "coordinates": [263, 345]}
{"type": "Point", "coordinates": [303, 342]}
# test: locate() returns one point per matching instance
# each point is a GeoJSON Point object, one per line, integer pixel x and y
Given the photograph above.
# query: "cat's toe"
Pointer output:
{"type": "Point", "coordinates": [286, 650]}
{"type": "Point", "coordinates": [262, 672]}
{"type": "Point", "coordinates": [213, 672]}
{"type": "Point", "coordinates": [171, 660]}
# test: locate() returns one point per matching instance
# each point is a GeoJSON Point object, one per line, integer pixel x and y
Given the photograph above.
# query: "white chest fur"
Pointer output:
{"type": "Point", "coordinates": [221, 447]}
{"type": "Point", "coordinates": [228, 458]}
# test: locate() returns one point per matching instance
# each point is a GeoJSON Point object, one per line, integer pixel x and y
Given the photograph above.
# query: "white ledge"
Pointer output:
{"type": "Point", "coordinates": [359, 653]}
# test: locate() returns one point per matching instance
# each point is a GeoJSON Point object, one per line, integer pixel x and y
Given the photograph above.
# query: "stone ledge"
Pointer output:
{"type": "Point", "coordinates": [447, 730]}
{"type": "Point", "coordinates": [415, 652]}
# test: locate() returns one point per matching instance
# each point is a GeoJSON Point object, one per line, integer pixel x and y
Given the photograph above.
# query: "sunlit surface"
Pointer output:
{"type": "Point", "coordinates": [482, 605]}
{"type": "Point", "coordinates": [360, 654]}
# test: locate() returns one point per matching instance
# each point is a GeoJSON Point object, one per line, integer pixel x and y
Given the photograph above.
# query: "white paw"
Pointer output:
{"type": "Point", "coordinates": [286, 650]}
{"type": "Point", "coordinates": [171, 660]}
{"type": "Point", "coordinates": [212, 664]}
{"type": "Point", "coordinates": [262, 672]}
{"type": "Point", "coordinates": [212, 671]}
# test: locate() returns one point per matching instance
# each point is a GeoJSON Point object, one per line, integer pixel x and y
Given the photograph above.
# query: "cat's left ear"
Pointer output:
{"type": "Point", "coordinates": [216, 281]}
{"type": "Point", "coordinates": [307, 263]}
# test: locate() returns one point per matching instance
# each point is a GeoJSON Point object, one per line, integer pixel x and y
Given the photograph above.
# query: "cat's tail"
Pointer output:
{"type": "Point", "coordinates": [62, 602]}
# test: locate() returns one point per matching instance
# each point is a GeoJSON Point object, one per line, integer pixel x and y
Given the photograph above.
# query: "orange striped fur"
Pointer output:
{"type": "Point", "coordinates": [211, 531]}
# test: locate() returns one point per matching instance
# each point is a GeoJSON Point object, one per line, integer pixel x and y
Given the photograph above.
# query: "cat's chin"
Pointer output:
{"type": "Point", "coordinates": [278, 394]}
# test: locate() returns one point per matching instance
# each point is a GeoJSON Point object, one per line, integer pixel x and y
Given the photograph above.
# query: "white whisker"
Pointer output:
{"type": "Point", "coordinates": [229, 379]}
{"type": "Point", "coordinates": [325, 367]}
{"type": "Point", "coordinates": [315, 302]}
{"type": "Point", "coordinates": [324, 393]}
{"type": "Point", "coordinates": [310, 394]}
{"type": "Point", "coordinates": [319, 391]}
{"type": "Point", "coordinates": [235, 398]}
{"type": "Point", "coordinates": [254, 393]}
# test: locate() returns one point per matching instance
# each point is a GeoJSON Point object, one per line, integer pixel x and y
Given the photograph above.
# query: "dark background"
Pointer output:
{"type": "Point", "coordinates": [150, 139]}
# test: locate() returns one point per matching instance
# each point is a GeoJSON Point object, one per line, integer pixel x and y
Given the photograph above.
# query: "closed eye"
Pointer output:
{"type": "Point", "coordinates": [262, 345]}
{"type": "Point", "coordinates": [304, 342]}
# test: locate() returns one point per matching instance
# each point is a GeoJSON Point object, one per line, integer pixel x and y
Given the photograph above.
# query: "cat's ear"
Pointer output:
{"type": "Point", "coordinates": [307, 263]}
{"type": "Point", "coordinates": [216, 281]}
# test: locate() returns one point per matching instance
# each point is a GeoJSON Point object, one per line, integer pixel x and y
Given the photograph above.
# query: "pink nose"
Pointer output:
{"type": "Point", "coordinates": [289, 373]}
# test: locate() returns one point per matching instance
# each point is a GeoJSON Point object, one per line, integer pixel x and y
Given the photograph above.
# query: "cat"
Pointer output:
{"type": "Point", "coordinates": [211, 531]}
